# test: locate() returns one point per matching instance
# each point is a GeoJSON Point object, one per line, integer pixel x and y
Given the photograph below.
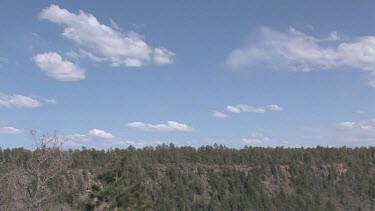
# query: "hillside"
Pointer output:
{"type": "Point", "coordinates": [216, 178]}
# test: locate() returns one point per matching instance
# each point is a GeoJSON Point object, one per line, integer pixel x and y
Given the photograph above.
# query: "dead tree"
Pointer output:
{"type": "Point", "coordinates": [35, 182]}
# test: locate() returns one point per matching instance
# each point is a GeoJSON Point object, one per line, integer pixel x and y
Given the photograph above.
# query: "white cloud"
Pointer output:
{"type": "Point", "coordinates": [347, 125]}
{"type": "Point", "coordinates": [247, 108]}
{"type": "Point", "coordinates": [18, 101]}
{"type": "Point", "coordinates": [54, 66]}
{"type": "Point", "coordinates": [102, 41]}
{"type": "Point", "coordinates": [365, 125]}
{"type": "Point", "coordinates": [236, 109]}
{"type": "Point", "coordinates": [170, 126]}
{"type": "Point", "coordinates": [360, 112]}
{"type": "Point", "coordinates": [349, 133]}
{"type": "Point", "coordinates": [256, 138]}
{"type": "Point", "coordinates": [11, 130]}
{"type": "Point", "coordinates": [233, 109]}
{"type": "Point", "coordinates": [50, 101]}
{"type": "Point", "coordinates": [274, 108]}
{"type": "Point", "coordinates": [114, 24]}
{"type": "Point", "coordinates": [163, 56]}
{"type": "Point", "coordinates": [334, 36]}
{"type": "Point", "coordinates": [21, 101]}
{"type": "Point", "coordinates": [100, 133]}
{"type": "Point", "coordinates": [77, 136]}
{"type": "Point", "coordinates": [84, 54]}
{"type": "Point", "coordinates": [356, 133]}
{"type": "Point", "coordinates": [297, 51]}
{"type": "Point", "coordinates": [219, 114]}
{"type": "Point", "coordinates": [99, 139]}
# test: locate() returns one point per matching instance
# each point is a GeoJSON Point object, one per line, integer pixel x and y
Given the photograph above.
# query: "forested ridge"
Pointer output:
{"type": "Point", "coordinates": [167, 177]}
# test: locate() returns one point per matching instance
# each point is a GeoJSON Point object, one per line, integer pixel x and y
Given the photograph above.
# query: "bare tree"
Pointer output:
{"type": "Point", "coordinates": [35, 180]}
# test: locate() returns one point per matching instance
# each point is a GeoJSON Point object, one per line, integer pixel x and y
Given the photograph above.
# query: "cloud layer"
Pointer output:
{"type": "Point", "coordinates": [21, 101]}
{"type": "Point", "coordinates": [296, 51]}
{"type": "Point", "coordinates": [170, 126]}
{"type": "Point", "coordinates": [105, 43]}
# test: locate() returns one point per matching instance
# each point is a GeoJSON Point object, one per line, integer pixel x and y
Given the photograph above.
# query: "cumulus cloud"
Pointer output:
{"type": "Point", "coordinates": [105, 42]}
{"type": "Point", "coordinates": [170, 126]}
{"type": "Point", "coordinates": [219, 114]}
{"type": "Point", "coordinates": [11, 130]}
{"type": "Point", "coordinates": [21, 101]}
{"type": "Point", "coordinates": [100, 133]}
{"type": "Point", "coordinates": [54, 66]}
{"type": "Point", "coordinates": [256, 138]}
{"type": "Point", "coordinates": [297, 51]}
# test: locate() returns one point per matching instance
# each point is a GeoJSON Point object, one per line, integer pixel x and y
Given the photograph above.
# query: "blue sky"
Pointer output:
{"type": "Point", "coordinates": [115, 73]}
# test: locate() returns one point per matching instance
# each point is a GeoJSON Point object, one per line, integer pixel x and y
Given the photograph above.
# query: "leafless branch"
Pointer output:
{"type": "Point", "coordinates": [29, 184]}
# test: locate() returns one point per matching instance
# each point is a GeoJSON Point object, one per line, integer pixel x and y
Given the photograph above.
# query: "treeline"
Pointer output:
{"type": "Point", "coordinates": [219, 154]}
{"type": "Point", "coordinates": [208, 178]}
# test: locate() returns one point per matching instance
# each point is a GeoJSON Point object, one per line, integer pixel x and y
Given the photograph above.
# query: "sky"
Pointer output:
{"type": "Point", "coordinates": [109, 74]}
